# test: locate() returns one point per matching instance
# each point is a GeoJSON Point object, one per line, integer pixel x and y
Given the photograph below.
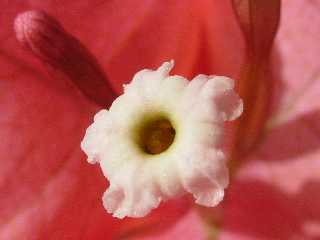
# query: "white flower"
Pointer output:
{"type": "Point", "coordinates": [162, 138]}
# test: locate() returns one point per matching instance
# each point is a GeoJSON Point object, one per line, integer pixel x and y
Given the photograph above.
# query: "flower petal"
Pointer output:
{"type": "Point", "coordinates": [259, 22]}
{"type": "Point", "coordinates": [42, 176]}
{"type": "Point", "coordinates": [194, 163]}
{"type": "Point", "coordinates": [276, 193]}
{"type": "Point", "coordinates": [190, 225]}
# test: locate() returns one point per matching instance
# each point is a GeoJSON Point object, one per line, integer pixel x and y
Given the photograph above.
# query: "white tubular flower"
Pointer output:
{"type": "Point", "coordinates": [162, 138]}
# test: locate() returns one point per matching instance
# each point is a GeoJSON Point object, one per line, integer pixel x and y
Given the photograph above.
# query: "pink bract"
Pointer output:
{"type": "Point", "coordinates": [48, 191]}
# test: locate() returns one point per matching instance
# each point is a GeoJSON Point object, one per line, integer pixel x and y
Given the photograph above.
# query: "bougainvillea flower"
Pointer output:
{"type": "Point", "coordinates": [45, 108]}
{"type": "Point", "coordinates": [162, 138]}
{"type": "Point", "coordinates": [48, 191]}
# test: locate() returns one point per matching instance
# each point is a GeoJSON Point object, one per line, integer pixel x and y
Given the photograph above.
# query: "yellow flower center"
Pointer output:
{"type": "Point", "coordinates": [155, 135]}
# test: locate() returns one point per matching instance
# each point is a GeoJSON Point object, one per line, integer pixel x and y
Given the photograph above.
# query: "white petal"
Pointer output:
{"type": "Point", "coordinates": [194, 163]}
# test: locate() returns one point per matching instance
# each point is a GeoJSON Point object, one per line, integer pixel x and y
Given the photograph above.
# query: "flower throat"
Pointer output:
{"type": "Point", "coordinates": [156, 136]}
